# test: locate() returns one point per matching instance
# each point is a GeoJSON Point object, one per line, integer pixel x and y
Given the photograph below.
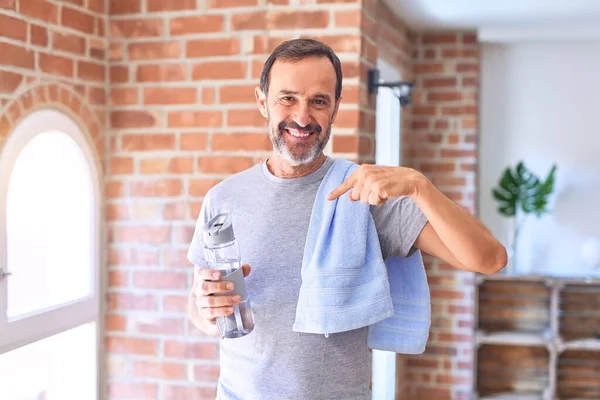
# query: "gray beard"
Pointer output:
{"type": "Point", "coordinates": [308, 156]}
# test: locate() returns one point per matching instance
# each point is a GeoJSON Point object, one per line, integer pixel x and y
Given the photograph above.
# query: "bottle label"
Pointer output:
{"type": "Point", "coordinates": [239, 284]}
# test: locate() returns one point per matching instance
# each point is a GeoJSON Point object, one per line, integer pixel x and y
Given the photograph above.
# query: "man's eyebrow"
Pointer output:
{"type": "Point", "coordinates": [323, 96]}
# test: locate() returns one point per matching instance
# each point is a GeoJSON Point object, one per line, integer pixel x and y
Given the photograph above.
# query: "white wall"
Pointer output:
{"type": "Point", "coordinates": [540, 103]}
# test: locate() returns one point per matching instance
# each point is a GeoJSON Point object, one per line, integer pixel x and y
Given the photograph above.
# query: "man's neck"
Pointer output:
{"type": "Point", "coordinates": [280, 168]}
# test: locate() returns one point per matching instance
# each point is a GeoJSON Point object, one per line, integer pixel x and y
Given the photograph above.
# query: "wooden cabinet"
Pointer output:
{"type": "Point", "coordinates": [537, 338]}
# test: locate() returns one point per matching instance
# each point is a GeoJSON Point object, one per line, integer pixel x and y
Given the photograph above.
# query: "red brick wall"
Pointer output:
{"type": "Point", "coordinates": [182, 118]}
{"type": "Point", "coordinates": [53, 54]}
{"type": "Point", "coordinates": [442, 143]}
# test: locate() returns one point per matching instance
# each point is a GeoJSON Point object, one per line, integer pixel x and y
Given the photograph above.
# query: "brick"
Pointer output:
{"type": "Point", "coordinates": [442, 97]}
{"type": "Point", "coordinates": [8, 4]}
{"type": "Point", "coordinates": [118, 74]}
{"type": "Point", "coordinates": [116, 51]}
{"type": "Point", "coordinates": [437, 167]}
{"type": "Point", "coordinates": [224, 164]}
{"type": "Point", "coordinates": [347, 119]}
{"type": "Point", "coordinates": [352, 144]}
{"type": "Point", "coordinates": [189, 392]}
{"type": "Point", "coordinates": [241, 142]}
{"type": "Point", "coordinates": [199, 187]}
{"type": "Point", "coordinates": [125, 6]}
{"type": "Point", "coordinates": [114, 189]}
{"type": "Point", "coordinates": [77, 20]}
{"type": "Point", "coordinates": [458, 153]}
{"type": "Point", "coordinates": [127, 345]}
{"type": "Point", "coordinates": [220, 70]}
{"type": "Point", "coordinates": [193, 141]}
{"type": "Point", "coordinates": [208, 95]}
{"type": "Point", "coordinates": [121, 165]}
{"type": "Point", "coordinates": [249, 21]}
{"type": "Point", "coordinates": [197, 24]}
{"type": "Point", "coordinates": [91, 71]}
{"type": "Point", "coordinates": [39, 9]}
{"type": "Point", "coordinates": [231, 3]}
{"type": "Point", "coordinates": [183, 235]}
{"type": "Point", "coordinates": [191, 119]}
{"type": "Point", "coordinates": [469, 38]}
{"type": "Point", "coordinates": [170, 95]}
{"type": "Point", "coordinates": [160, 280]}
{"type": "Point", "coordinates": [148, 142]}
{"type": "Point", "coordinates": [159, 370]}
{"type": "Point", "coordinates": [136, 28]}
{"type": "Point", "coordinates": [237, 94]}
{"type": "Point", "coordinates": [430, 67]}
{"type": "Point", "coordinates": [39, 35]}
{"type": "Point", "coordinates": [16, 56]}
{"type": "Point", "coordinates": [13, 28]}
{"type": "Point", "coordinates": [439, 38]}
{"type": "Point", "coordinates": [175, 165]}
{"type": "Point", "coordinates": [204, 373]}
{"type": "Point", "coordinates": [176, 212]}
{"type": "Point", "coordinates": [133, 257]}
{"type": "Point", "coordinates": [9, 82]}
{"type": "Point", "coordinates": [212, 47]}
{"type": "Point", "coordinates": [170, 5]}
{"type": "Point", "coordinates": [142, 234]}
{"type": "Point", "coordinates": [132, 390]}
{"type": "Point", "coordinates": [439, 82]}
{"type": "Point", "coordinates": [116, 323]}
{"type": "Point", "coordinates": [163, 188]}
{"type": "Point", "coordinates": [154, 50]}
{"type": "Point", "coordinates": [459, 110]}
{"type": "Point", "coordinates": [117, 212]}
{"type": "Point", "coordinates": [245, 118]}
{"type": "Point", "coordinates": [447, 294]}
{"type": "Point", "coordinates": [297, 20]}
{"type": "Point", "coordinates": [56, 65]}
{"type": "Point", "coordinates": [132, 302]}
{"type": "Point", "coordinates": [132, 119]}
{"type": "Point", "coordinates": [460, 53]}
{"type": "Point", "coordinates": [175, 304]}
{"type": "Point", "coordinates": [121, 96]}
{"type": "Point", "coordinates": [469, 82]}
{"type": "Point", "coordinates": [97, 6]}
{"type": "Point", "coordinates": [337, 1]}
{"type": "Point", "coordinates": [347, 19]}
{"type": "Point", "coordinates": [422, 363]}
{"type": "Point", "coordinates": [161, 73]}
{"type": "Point", "coordinates": [68, 42]}
{"type": "Point", "coordinates": [190, 351]}
{"type": "Point", "coordinates": [342, 43]}
{"type": "Point", "coordinates": [175, 257]}
{"type": "Point", "coordinates": [467, 67]}
{"type": "Point", "coordinates": [158, 326]}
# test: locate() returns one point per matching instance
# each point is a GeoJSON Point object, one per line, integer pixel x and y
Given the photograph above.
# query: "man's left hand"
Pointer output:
{"type": "Point", "coordinates": [374, 184]}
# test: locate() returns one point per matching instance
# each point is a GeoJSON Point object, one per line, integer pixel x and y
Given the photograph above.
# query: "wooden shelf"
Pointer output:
{"type": "Point", "coordinates": [512, 338]}
{"type": "Point", "coordinates": [538, 337]}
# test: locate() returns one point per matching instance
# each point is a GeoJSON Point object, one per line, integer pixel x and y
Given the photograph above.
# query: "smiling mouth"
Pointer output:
{"type": "Point", "coordinates": [298, 134]}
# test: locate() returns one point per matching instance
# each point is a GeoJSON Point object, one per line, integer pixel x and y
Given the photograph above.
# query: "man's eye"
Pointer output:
{"type": "Point", "coordinates": [321, 102]}
{"type": "Point", "coordinates": [287, 98]}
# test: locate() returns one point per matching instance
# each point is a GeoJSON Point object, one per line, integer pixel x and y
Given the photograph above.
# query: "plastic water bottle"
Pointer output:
{"type": "Point", "coordinates": [221, 252]}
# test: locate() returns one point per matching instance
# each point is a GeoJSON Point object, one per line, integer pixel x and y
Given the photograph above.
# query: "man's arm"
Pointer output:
{"type": "Point", "coordinates": [451, 234]}
{"type": "Point", "coordinates": [454, 235]}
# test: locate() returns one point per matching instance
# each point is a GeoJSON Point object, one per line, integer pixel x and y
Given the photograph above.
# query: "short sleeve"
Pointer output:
{"type": "Point", "coordinates": [196, 250]}
{"type": "Point", "coordinates": [398, 222]}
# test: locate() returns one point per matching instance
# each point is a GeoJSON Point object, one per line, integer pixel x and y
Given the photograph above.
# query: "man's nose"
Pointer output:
{"type": "Point", "coordinates": [302, 114]}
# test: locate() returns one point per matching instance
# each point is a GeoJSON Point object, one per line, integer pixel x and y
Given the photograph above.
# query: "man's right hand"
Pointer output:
{"type": "Point", "coordinates": [203, 306]}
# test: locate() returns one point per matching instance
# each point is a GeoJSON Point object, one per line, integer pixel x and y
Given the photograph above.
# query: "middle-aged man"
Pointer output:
{"type": "Point", "coordinates": [271, 203]}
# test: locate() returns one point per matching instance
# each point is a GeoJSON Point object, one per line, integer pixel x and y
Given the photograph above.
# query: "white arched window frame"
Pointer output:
{"type": "Point", "coordinates": [45, 322]}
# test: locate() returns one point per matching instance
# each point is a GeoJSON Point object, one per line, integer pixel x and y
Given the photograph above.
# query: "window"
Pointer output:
{"type": "Point", "coordinates": [50, 250]}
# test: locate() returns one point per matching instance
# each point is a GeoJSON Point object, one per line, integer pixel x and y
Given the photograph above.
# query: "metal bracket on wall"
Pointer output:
{"type": "Point", "coordinates": [4, 273]}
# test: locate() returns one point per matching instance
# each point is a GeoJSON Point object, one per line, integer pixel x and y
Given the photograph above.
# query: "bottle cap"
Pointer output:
{"type": "Point", "coordinates": [218, 230]}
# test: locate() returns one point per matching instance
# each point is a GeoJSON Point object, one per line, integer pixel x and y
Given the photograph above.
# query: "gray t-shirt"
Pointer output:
{"type": "Point", "coordinates": [270, 218]}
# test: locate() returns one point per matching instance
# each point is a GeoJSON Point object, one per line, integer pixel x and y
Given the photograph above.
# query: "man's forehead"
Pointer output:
{"type": "Point", "coordinates": [309, 74]}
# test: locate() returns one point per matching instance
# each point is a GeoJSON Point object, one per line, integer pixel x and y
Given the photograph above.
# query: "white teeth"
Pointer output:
{"type": "Point", "coordinates": [298, 134]}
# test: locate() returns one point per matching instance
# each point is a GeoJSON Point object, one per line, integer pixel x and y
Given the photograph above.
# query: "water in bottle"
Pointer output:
{"type": "Point", "coordinates": [221, 252]}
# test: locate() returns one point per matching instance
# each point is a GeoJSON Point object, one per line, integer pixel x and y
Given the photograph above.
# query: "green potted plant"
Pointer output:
{"type": "Point", "coordinates": [521, 193]}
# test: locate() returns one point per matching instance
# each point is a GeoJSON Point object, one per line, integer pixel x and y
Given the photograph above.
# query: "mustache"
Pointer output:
{"type": "Point", "coordinates": [293, 125]}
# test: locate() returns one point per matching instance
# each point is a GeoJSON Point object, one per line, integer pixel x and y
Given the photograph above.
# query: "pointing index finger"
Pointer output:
{"type": "Point", "coordinates": [343, 188]}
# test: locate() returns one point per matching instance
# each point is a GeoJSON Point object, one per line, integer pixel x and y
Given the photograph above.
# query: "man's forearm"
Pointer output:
{"type": "Point", "coordinates": [469, 241]}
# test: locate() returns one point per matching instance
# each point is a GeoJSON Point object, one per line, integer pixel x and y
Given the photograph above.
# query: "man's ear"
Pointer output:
{"type": "Point", "coordinates": [261, 100]}
{"type": "Point", "coordinates": [335, 110]}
